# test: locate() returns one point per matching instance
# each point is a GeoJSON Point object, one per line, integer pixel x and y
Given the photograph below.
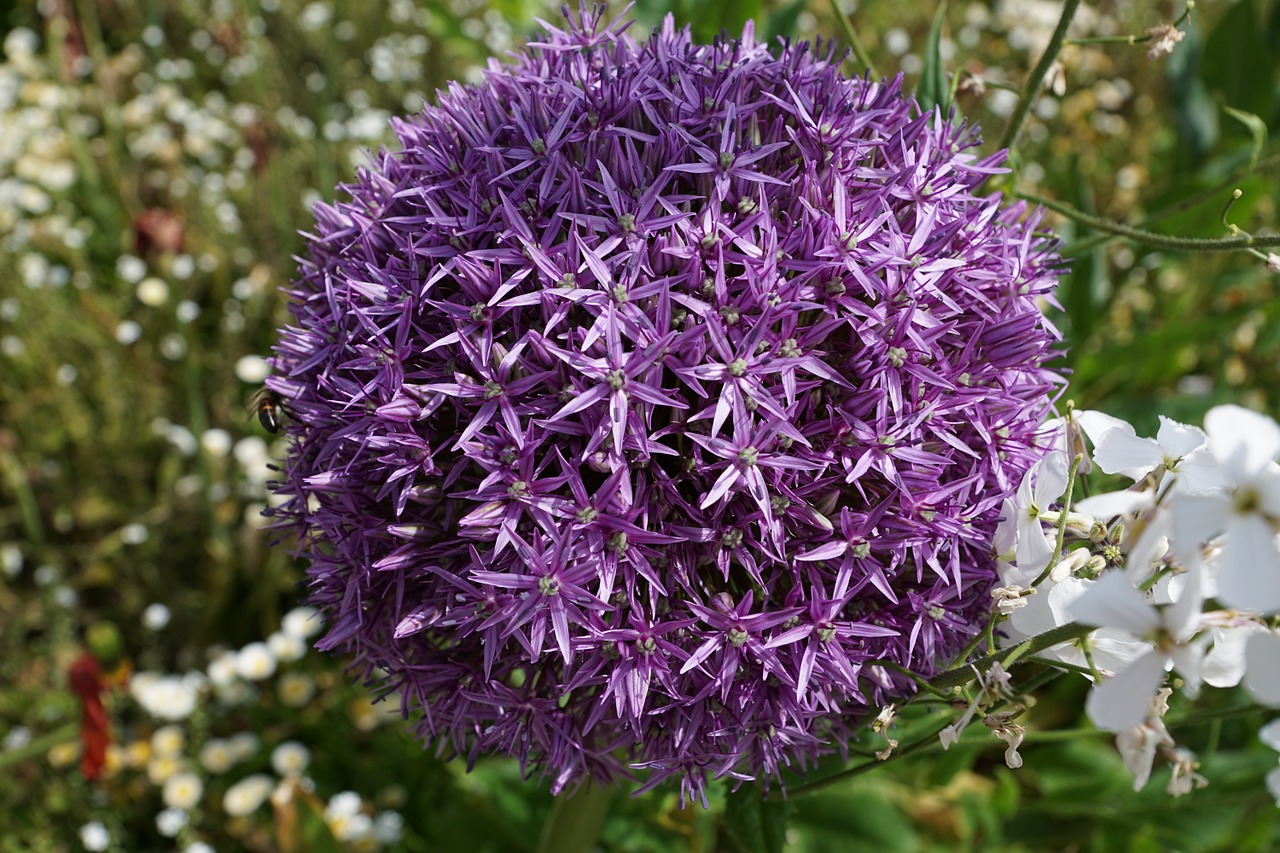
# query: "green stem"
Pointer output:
{"type": "Point", "coordinates": [855, 44]}
{"type": "Point", "coordinates": [858, 770]}
{"type": "Point", "coordinates": [1150, 238]}
{"type": "Point", "coordinates": [576, 820]}
{"type": "Point", "coordinates": [1079, 247]}
{"type": "Point", "coordinates": [27, 504]}
{"type": "Point", "coordinates": [40, 745]}
{"type": "Point", "coordinates": [966, 673]}
{"type": "Point", "coordinates": [1064, 514]}
{"type": "Point", "coordinates": [1032, 90]}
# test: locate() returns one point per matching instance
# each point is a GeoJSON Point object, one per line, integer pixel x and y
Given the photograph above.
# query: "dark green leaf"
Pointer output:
{"type": "Point", "coordinates": [782, 21]}
{"type": "Point", "coordinates": [933, 90]}
{"type": "Point", "coordinates": [755, 824]}
{"type": "Point", "coordinates": [1237, 67]}
{"type": "Point", "coordinates": [1195, 114]}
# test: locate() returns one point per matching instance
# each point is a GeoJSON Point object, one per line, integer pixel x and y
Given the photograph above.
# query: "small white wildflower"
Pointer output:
{"type": "Point", "coordinates": [245, 745]}
{"type": "Point", "coordinates": [152, 291]}
{"type": "Point", "coordinates": [244, 797]}
{"type": "Point", "coordinates": [222, 669]}
{"type": "Point", "coordinates": [217, 755]}
{"type": "Point", "coordinates": [168, 697]}
{"type": "Point", "coordinates": [351, 828]}
{"type": "Point", "coordinates": [16, 738]}
{"type": "Point", "coordinates": [304, 622]}
{"type": "Point", "coordinates": [286, 647]}
{"type": "Point", "coordinates": [252, 369]}
{"type": "Point", "coordinates": [155, 617]}
{"type": "Point", "coordinates": [290, 758]}
{"type": "Point", "coordinates": [255, 662]}
{"type": "Point", "coordinates": [216, 442]}
{"type": "Point", "coordinates": [183, 791]}
{"type": "Point", "coordinates": [1163, 39]}
{"type": "Point", "coordinates": [343, 804]}
{"type": "Point", "coordinates": [296, 689]}
{"type": "Point", "coordinates": [94, 836]}
{"type": "Point", "coordinates": [388, 827]}
{"type": "Point", "coordinates": [161, 767]}
{"type": "Point", "coordinates": [171, 821]}
{"type": "Point", "coordinates": [10, 560]}
{"type": "Point", "coordinates": [167, 741]}
{"type": "Point", "coordinates": [198, 847]}
{"type": "Point", "coordinates": [134, 534]}
{"type": "Point", "coordinates": [128, 332]}
{"type": "Point", "coordinates": [131, 268]}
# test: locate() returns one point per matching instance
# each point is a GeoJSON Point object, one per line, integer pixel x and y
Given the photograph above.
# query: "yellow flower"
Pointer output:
{"type": "Point", "coordinates": [161, 767]}
{"type": "Point", "coordinates": [64, 754]}
{"type": "Point", "coordinates": [168, 741]}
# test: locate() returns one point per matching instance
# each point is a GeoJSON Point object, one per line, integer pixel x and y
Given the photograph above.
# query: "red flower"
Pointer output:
{"type": "Point", "coordinates": [95, 732]}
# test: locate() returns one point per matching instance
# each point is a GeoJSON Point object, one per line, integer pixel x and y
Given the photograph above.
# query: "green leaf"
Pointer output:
{"type": "Point", "coordinates": [710, 18]}
{"type": "Point", "coordinates": [1257, 129]}
{"type": "Point", "coordinates": [933, 90]}
{"type": "Point", "coordinates": [1237, 64]}
{"type": "Point", "coordinates": [756, 824]}
{"type": "Point", "coordinates": [1194, 111]}
{"type": "Point", "coordinates": [782, 21]}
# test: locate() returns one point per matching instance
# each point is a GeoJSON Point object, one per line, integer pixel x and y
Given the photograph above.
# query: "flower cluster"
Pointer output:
{"type": "Point", "coordinates": [209, 783]}
{"type": "Point", "coordinates": [1146, 565]}
{"type": "Point", "coordinates": [651, 394]}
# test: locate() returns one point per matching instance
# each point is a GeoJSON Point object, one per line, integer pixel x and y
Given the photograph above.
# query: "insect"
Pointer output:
{"type": "Point", "coordinates": [269, 404]}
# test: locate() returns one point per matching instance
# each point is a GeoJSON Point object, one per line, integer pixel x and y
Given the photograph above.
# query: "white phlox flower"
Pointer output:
{"type": "Point", "coordinates": [1117, 449]}
{"type": "Point", "coordinates": [1122, 701]}
{"type": "Point", "coordinates": [1184, 779]}
{"type": "Point", "coordinates": [1138, 745]}
{"type": "Point", "coordinates": [1242, 505]}
{"type": "Point", "coordinates": [1112, 649]}
{"type": "Point", "coordinates": [1225, 663]}
{"type": "Point", "coordinates": [1042, 485]}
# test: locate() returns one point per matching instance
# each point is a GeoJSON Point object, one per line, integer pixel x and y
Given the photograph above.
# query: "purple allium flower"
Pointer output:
{"type": "Point", "coordinates": [650, 393]}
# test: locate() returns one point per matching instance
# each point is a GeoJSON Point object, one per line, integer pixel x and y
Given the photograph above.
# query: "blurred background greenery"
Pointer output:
{"type": "Point", "coordinates": [157, 163]}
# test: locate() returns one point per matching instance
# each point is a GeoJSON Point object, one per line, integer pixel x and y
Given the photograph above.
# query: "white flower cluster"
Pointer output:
{"type": "Point", "coordinates": [1177, 573]}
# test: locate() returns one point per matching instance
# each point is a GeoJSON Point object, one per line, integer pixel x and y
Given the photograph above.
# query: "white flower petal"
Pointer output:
{"type": "Point", "coordinates": [1124, 700]}
{"type": "Point", "coordinates": [1097, 424]}
{"type": "Point", "coordinates": [1224, 664]}
{"type": "Point", "coordinates": [1111, 504]}
{"type": "Point", "coordinates": [1270, 734]}
{"type": "Point", "coordinates": [1273, 784]}
{"type": "Point", "coordinates": [1114, 603]}
{"type": "Point", "coordinates": [1115, 650]}
{"type": "Point", "coordinates": [1121, 452]}
{"type": "Point", "coordinates": [1051, 479]}
{"type": "Point", "coordinates": [1183, 618]}
{"type": "Point", "coordinates": [1262, 668]}
{"type": "Point", "coordinates": [1178, 440]}
{"type": "Point", "coordinates": [1249, 566]}
{"type": "Point", "coordinates": [1247, 438]}
{"type": "Point", "coordinates": [1152, 545]}
{"type": "Point", "coordinates": [1196, 519]}
{"type": "Point", "coordinates": [1063, 595]}
{"type": "Point", "coordinates": [1187, 661]}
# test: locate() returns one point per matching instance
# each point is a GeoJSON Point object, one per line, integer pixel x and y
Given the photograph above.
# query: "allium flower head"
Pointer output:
{"type": "Point", "coordinates": [649, 391]}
